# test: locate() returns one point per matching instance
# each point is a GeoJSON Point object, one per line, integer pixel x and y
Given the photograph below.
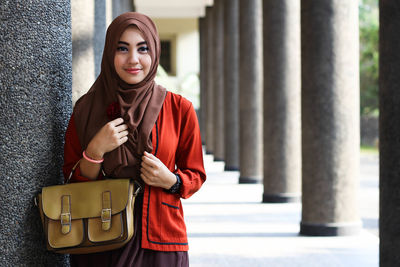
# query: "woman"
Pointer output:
{"type": "Point", "coordinates": [131, 127]}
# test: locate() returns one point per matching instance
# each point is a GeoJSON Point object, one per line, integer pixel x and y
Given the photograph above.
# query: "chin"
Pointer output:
{"type": "Point", "coordinates": [132, 81]}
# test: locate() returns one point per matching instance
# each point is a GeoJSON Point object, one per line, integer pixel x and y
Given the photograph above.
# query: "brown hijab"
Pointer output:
{"type": "Point", "coordinates": [139, 103]}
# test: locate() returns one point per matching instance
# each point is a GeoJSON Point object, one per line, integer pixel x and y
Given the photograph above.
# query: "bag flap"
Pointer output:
{"type": "Point", "coordinates": [86, 198]}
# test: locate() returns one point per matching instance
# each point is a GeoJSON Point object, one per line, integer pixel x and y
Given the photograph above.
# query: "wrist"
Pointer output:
{"type": "Point", "coordinates": [175, 188]}
{"type": "Point", "coordinates": [94, 153]}
{"type": "Point", "coordinates": [91, 160]}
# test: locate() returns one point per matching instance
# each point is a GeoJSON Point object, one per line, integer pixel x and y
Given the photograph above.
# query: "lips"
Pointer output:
{"type": "Point", "coordinates": [133, 70]}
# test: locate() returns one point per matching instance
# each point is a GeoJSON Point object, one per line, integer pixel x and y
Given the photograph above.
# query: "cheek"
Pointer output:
{"type": "Point", "coordinates": [117, 62]}
{"type": "Point", "coordinates": [147, 62]}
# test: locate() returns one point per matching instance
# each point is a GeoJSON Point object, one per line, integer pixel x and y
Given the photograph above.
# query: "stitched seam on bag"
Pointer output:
{"type": "Point", "coordinates": [169, 205]}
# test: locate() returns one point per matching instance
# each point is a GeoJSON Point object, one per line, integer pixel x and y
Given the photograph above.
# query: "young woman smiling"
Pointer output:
{"type": "Point", "coordinates": [130, 127]}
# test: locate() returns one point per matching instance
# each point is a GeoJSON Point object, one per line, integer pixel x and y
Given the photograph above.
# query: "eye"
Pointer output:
{"type": "Point", "coordinates": [143, 49]}
{"type": "Point", "coordinates": [122, 48]}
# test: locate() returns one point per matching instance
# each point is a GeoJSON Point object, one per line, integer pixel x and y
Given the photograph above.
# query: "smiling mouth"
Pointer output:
{"type": "Point", "coordinates": [133, 70]}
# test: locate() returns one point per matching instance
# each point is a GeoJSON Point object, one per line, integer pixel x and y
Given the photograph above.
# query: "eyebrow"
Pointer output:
{"type": "Point", "coordinates": [139, 44]}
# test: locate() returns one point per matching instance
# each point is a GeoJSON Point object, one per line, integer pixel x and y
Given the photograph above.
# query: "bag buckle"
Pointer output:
{"type": "Point", "coordinates": [105, 215]}
{"type": "Point", "coordinates": [106, 211]}
{"type": "Point", "coordinates": [65, 217]}
{"type": "Point", "coordinates": [65, 223]}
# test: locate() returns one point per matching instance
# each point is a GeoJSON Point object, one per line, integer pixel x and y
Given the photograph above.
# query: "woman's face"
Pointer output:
{"type": "Point", "coordinates": [132, 60]}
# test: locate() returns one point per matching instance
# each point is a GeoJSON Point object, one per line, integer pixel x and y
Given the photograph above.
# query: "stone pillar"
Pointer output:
{"type": "Point", "coordinates": [99, 35]}
{"type": "Point", "coordinates": [250, 91]}
{"type": "Point", "coordinates": [330, 117]}
{"type": "Point", "coordinates": [231, 84]}
{"type": "Point", "coordinates": [218, 85]}
{"type": "Point", "coordinates": [210, 75]}
{"type": "Point", "coordinates": [122, 6]}
{"type": "Point", "coordinates": [35, 104]}
{"type": "Point", "coordinates": [83, 61]}
{"type": "Point", "coordinates": [282, 127]}
{"type": "Point", "coordinates": [203, 76]}
{"type": "Point", "coordinates": [389, 132]}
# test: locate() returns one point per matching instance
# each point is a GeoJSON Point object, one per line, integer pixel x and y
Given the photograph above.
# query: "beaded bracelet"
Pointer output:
{"type": "Point", "coordinates": [90, 159]}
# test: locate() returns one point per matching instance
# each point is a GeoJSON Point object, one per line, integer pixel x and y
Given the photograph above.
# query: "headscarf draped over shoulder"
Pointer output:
{"type": "Point", "coordinates": [139, 103]}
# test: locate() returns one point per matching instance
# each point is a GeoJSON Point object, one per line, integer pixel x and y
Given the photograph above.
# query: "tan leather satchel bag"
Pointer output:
{"type": "Point", "coordinates": [87, 217]}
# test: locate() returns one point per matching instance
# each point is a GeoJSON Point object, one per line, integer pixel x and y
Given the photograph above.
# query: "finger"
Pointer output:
{"type": "Point", "coordinates": [117, 121]}
{"type": "Point", "coordinates": [151, 156]}
{"type": "Point", "coordinates": [147, 166]}
{"type": "Point", "coordinates": [148, 161]}
{"type": "Point", "coordinates": [121, 127]}
{"type": "Point", "coordinates": [146, 173]}
{"type": "Point", "coordinates": [122, 134]}
{"type": "Point", "coordinates": [145, 179]}
{"type": "Point", "coordinates": [123, 140]}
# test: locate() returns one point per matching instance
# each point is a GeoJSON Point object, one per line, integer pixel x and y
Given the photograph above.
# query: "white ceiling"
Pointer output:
{"type": "Point", "coordinates": [172, 8]}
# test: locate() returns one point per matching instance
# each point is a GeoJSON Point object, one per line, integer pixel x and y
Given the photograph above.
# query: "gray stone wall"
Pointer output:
{"type": "Point", "coordinates": [35, 105]}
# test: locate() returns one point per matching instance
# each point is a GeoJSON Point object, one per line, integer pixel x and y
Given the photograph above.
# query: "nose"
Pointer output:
{"type": "Point", "coordinates": [133, 57]}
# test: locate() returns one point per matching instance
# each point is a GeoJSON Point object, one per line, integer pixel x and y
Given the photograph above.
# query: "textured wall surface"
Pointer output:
{"type": "Point", "coordinates": [35, 105]}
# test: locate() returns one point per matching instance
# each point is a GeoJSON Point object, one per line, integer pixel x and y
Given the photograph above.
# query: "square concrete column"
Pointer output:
{"type": "Point", "coordinates": [231, 84]}
{"type": "Point", "coordinates": [210, 81]}
{"type": "Point", "coordinates": [282, 127]}
{"type": "Point", "coordinates": [250, 91]}
{"type": "Point", "coordinates": [218, 84]}
{"type": "Point", "coordinates": [330, 117]}
{"type": "Point", "coordinates": [389, 132]}
{"type": "Point", "coordinates": [35, 104]}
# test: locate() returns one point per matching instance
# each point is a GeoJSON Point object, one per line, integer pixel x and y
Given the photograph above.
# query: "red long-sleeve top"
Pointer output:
{"type": "Point", "coordinates": [178, 145]}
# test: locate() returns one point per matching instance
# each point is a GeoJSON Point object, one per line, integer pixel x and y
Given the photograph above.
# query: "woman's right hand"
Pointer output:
{"type": "Point", "coordinates": [108, 138]}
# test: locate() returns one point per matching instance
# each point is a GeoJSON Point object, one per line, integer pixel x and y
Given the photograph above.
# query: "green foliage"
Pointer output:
{"type": "Point", "coordinates": [369, 56]}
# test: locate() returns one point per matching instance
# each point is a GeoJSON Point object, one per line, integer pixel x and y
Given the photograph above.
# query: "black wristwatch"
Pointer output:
{"type": "Point", "coordinates": [177, 186]}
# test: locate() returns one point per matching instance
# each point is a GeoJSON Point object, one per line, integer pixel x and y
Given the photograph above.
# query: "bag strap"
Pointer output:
{"type": "Point", "coordinates": [72, 171]}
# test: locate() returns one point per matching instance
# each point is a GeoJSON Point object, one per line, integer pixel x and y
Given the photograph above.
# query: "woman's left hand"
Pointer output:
{"type": "Point", "coordinates": [155, 173]}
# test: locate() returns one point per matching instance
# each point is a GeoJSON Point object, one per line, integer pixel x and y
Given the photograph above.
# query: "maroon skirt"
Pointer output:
{"type": "Point", "coordinates": [132, 255]}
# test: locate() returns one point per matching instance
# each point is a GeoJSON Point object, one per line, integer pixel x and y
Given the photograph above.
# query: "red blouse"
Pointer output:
{"type": "Point", "coordinates": [177, 143]}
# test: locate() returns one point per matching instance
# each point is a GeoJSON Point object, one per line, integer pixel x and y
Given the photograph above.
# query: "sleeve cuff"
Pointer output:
{"type": "Point", "coordinates": [177, 186]}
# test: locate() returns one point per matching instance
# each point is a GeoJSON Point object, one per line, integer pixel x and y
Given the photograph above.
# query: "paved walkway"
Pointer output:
{"type": "Point", "coordinates": [229, 226]}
